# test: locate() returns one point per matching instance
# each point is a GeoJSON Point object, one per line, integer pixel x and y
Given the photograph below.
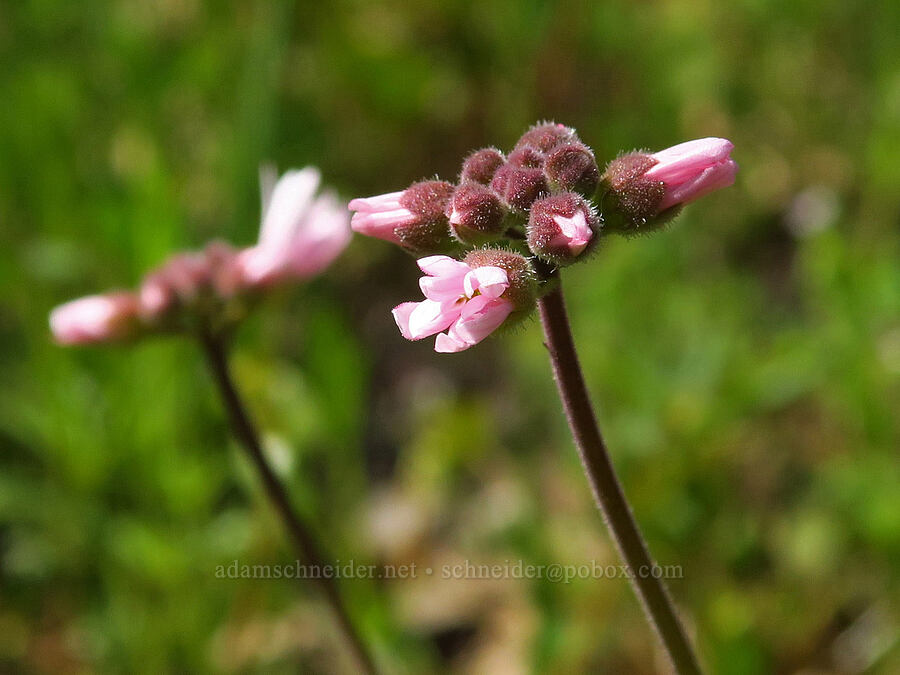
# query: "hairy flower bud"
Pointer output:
{"type": "Point", "coordinates": [546, 136]}
{"type": "Point", "coordinates": [527, 157]}
{"type": "Point", "coordinates": [481, 166]}
{"type": "Point", "coordinates": [414, 218]}
{"type": "Point", "coordinates": [572, 166]}
{"type": "Point", "coordinates": [561, 227]}
{"type": "Point", "coordinates": [475, 213]}
{"type": "Point", "coordinates": [518, 187]}
{"type": "Point", "coordinates": [647, 190]}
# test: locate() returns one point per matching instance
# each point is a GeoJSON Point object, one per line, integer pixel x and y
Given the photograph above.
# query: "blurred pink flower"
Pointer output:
{"type": "Point", "coordinates": [464, 301]}
{"type": "Point", "coordinates": [95, 319]}
{"type": "Point", "coordinates": [301, 233]}
{"type": "Point", "coordinates": [693, 169]}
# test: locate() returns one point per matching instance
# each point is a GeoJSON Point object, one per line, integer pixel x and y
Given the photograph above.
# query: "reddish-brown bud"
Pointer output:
{"type": "Point", "coordinates": [475, 213]}
{"type": "Point", "coordinates": [518, 187]}
{"type": "Point", "coordinates": [428, 232]}
{"type": "Point", "coordinates": [528, 157]}
{"type": "Point", "coordinates": [546, 136]}
{"type": "Point", "coordinates": [481, 165]}
{"type": "Point", "coordinates": [632, 201]}
{"type": "Point", "coordinates": [572, 167]}
{"type": "Point", "coordinates": [561, 228]}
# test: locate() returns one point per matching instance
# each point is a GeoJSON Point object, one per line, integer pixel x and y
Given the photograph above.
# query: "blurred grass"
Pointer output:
{"type": "Point", "coordinates": [746, 363]}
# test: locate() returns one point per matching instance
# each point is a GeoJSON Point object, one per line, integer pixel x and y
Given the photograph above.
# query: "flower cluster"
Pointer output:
{"type": "Point", "coordinates": [531, 208]}
{"type": "Point", "coordinates": [302, 232]}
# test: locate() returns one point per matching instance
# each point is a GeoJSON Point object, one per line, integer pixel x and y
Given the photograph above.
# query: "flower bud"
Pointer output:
{"type": "Point", "coordinates": [518, 187]}
{"type": "Point", "coordinates": [647, 190]}
{"type": "Point", "coordinates": [527, 157]}
{"type": "Point", "coordinates": [546, 136]}
{"type": "Point", "coordinates": [522, 289]}
{"type": "Point", "coordinates": [561, 227]}
{"type": "Point", "coordinates": [481, 166]}
{"type": "Point", "coordinates": [475, 214]}
{"type": "Point", "coordinates": [96, 319]}
{"type": "Point", "coordinates": [414, 218]}
{"type": "Point", "coordinates": [572, 167]}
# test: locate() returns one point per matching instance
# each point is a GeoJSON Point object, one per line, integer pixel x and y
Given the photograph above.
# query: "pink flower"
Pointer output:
{"type": "Point", "coordinates": [95, 318]}
{"type": "Point", "coordinates": [464, 301]}
{"type": "Point", "coordinates": [414, 218]}
{"type": "Point", "coordinates": [693, 169]}
{"type": "Point", "coordinates": [301, 233]}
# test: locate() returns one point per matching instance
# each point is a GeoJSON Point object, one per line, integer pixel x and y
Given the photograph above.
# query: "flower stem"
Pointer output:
{"type": "Point", "coordinates": [301, 534]}
{"type": "Point", "coordinates": [605, 484]}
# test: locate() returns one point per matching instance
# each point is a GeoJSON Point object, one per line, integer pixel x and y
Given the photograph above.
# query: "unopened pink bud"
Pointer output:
{"type": "Point", "coordinates": [527, 157]}
{"type": "Point", "coordinates": [546, 136]}
{"type": "Point", "coordinates": [475, 214]}
{"type": "Point", "coordinates": [96, 319]}
{"type": "Point", "coordinates": [572, 166]}
{"type": "Point", "coordinates": [561, 227]}
{"type": "Point", "coordinates": [481, 165]}
{"type": "Point", "coordinates": [414, 218]}
{"type": "Point", "coordinates": [646, 190]}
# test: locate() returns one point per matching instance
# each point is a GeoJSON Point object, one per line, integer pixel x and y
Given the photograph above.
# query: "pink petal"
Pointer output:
{"type": "Point", "coordinates": [381, 224]}
{"type": "Point", "coordinates": [480, 317]}
{"type": "Point", "coordinates": [575, 233]}
{"type": "Point", "coordinates": [417, 320]}
{"type": "Point", "coordinates": [385, 202]}
{"type": "Point", "coordinates": [442, 289]}
{"type": "Point", "coordinates": [687, 157]}
{"type": "Point", "coordinates": [94, 318]}
{"type": "Point", "coordinates": [491, 281]}
{"type": "Point", "coordinates": [288, 205]}
{"type": "Point", "coordinates": [445, 343]}
{"type": "Point", "coordinates": [442, 266]}
{"type": "Point", "coordinates": [710, 179]}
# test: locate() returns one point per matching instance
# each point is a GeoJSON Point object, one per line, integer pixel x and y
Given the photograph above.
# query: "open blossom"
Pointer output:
{"type": "Point", "coordinates": [464, 301]}
{"type": "Point", "coordinates": [301, 233]}
{"type": "Point", "coordinates": [693, 169]}
{"type": "Point", "coordinates": [94, 319]}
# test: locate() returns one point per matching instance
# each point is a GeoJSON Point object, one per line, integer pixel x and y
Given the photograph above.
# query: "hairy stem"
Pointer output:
{"type": "Point", "coordinates": [605, 484]}
{"type": "Point", "coordinates": [300, 533]}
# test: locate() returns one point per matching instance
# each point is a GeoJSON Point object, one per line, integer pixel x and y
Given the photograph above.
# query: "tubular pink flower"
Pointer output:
{"type": "Point", "coordinates": [301, 234]}
{"type": "Point", "coordinates": [94, 319]}
{"type": "Point", "coordinates": [693, 169]}
{"type": "Point", "coordinates": [381, 216]}
{"type": "Point", "coordinates": [415, 218]}
{"type": "Point", "coordinates": [465, 302]}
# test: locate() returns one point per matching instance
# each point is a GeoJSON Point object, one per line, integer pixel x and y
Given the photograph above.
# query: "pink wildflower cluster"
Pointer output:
{"type": "Point", "coordinates": [538, 200]}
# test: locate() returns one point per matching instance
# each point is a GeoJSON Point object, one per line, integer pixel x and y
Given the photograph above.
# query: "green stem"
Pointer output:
{"type": "Point", "coordinates": [301, 534]}
{"type": "Point", "coordinates": [605, 484]}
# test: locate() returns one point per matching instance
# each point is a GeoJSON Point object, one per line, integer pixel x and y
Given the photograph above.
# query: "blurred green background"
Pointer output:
{"type": "Point", "coordinates": [745, 363]}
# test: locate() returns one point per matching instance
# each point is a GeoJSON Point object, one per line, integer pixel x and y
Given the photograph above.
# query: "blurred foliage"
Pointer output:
{"type": "Point", "coordinates": [746, 363]}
